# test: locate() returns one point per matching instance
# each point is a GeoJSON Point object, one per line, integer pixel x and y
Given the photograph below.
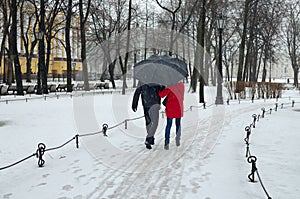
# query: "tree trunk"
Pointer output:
{"type": "Point", "coordinates": [68, 46]}
{"type": "Point", "coordinates": [104, 69]}
{"type": "Point", "coordinates": [127, 49]}
{"type": "Point", "coordinates": [264, 74]}
{"type": "Point", "coordinates": [296, 71]}
{"type": "Point", "coordinates": [9, 79]}
{"type": "Point", "coordinates": [83, 43]}
{"type": "Point", "coordinates": [28, 70]}
{"type": "Point", "coordinates": [42, 66]}
{"type": "Point", "coordinates": [201, 55]}
{"type": "Point", "coordinates": [111, 72]}
{"type": "Point", "coordinates": [14, 49]}
{"type": "Point", "coordinates": [243, 41]}
{"type": "Point", "coordinates": [5, 27]}
{"type": "Point", "coordinates": [254, 65]}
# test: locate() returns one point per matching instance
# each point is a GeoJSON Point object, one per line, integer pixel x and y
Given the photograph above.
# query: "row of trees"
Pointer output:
{"type": "Point", "coordinates": [39, 22]}
{"type": "Point", "coordinates": [255, 34]}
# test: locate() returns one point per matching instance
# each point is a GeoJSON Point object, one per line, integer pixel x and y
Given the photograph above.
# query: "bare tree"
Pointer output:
{"type": "Point", "coordinates": [199, 57]}
{"type": "Point", "coordinates": [109, 21]}
{"type": "Point", "coordinates": [42, 69]}
{"type": "Point", "coordinates": [127, 47]}
{"type": "Point", "coordinates": [173, 22]}
{"type": "Point", "coordinates": [13, 49]}
{"type": "Point", "coordinates": [293, 38]}
{"type": "Point", "coordinates": [267, 23]}
{"type": "Point", "coordinates": [83, 20]}
{"type": "Point", "coordinates": [53, 24]}
{"type": "Point", "coordinates": [28, 26]}
{"type": "Point", "coordinates": [247, 7]}
{"type": "Point", "coordinates": [7, 78]}
{"type": "Point", "coordinates": [68, 45]}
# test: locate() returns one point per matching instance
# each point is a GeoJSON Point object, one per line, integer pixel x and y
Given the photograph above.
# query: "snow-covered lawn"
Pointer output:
{"type": "Point", "coordinates": [210, 163]}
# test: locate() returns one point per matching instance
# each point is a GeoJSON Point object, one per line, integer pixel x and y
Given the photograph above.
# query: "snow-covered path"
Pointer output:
{"type": "Point", "coordinates": [210, 163]}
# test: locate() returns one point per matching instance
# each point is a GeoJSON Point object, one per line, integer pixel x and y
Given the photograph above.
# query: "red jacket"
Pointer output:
{"type": "Point", "coordinates": [175, 94]}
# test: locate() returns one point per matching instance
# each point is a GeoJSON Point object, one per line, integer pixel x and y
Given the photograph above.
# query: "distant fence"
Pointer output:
{"type": "Point", "coordinates": [32, 89]}
{"type": "Point", "coordinates": [259, 90]}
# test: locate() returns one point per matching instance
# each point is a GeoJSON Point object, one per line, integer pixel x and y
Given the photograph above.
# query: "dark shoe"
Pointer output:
{"type": "Point", "coordinates": [166, 147]}
{"type": "Point", "coordinates": [150, 140]}
{"type": "Point", "coordinates": [177, 142]}
{"type": "Point", "coordinates": [177, 139]}
{"type": "Point", "coordinates": [148, 145]}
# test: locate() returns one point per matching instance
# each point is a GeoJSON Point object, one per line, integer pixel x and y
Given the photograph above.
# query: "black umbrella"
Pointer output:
{"type": "Point", "coordinates": [160, 69]}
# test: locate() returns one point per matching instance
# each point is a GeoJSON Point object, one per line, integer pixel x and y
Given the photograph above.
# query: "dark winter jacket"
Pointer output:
{"type": "Point", "coordinates": [149, 95]}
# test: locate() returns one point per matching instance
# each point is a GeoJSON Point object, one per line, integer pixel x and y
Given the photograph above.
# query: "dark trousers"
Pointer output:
{"type": "Point", "coordinates": [151, 119]}
{"type": "Point", "coordinates": [168, 129]}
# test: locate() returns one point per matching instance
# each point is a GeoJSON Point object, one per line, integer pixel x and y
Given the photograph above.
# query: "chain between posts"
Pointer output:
{"type": "Point", "coordinates": [42, 147]}
{"type": "Point", "coordinates": [293, 104]}
{"type": "Point", "coordinates": [262, 185]}
{"type": "Point", "coordinates": [203, 105]}
{"type": "Point", "coordinates": [251, 158]}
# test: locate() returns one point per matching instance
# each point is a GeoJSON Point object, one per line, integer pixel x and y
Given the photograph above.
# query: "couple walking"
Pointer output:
{"type": "Point", "coordinates": [151, 95]}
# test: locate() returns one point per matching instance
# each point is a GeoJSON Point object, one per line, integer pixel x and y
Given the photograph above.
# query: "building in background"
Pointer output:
{"type": "Point", "coordinates": [57, 61]}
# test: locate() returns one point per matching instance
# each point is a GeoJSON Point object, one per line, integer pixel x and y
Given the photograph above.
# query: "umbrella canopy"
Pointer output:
{"type": "Point", "coordinates": [161, 69]}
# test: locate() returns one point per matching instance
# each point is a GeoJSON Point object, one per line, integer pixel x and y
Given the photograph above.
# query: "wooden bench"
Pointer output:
{"type": "Point", "coordinates": [106, 85]}
{"type": "Point", "coordinates": [29, 89]}
{"type": "Point", "coordinates": [3, 90]}
{"type": "Point", "coordinates": [12, 88]}
{"type": "Point", "coordinates": [79, 86]}
{"type": "Point", "coordinates": [61, 87]}
{"type": "Point", "coordinates": [99, 85]}
{"type": "Point", "coordinates": [73, 87]}
{"type": "Point", "coordinates": [91, 86]}
{"type": "Point", "coordinates": [102, 85]}
{"type": "Point", "coordinates": [52, 88]}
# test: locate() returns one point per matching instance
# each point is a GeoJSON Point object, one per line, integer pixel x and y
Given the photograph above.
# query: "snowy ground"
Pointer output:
{"type": "Point", "coordinates": [210, 163]}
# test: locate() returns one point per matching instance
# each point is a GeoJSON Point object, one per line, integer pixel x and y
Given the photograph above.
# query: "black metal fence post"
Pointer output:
{"type": "Point", "coordinates": [252, 159]}
{"type": "Point", "coordinates": [263, 112]}
{"type": "Point", "coordinates": [77, 141]}
{"type": "Point", "coordinates": [293, 103]}
{"type": "Point", "coordinates": [39, 154]}
{"type": "Point", "coordinates": [104, 129]}
{"type": "Point", "coordinates": [254, 119]}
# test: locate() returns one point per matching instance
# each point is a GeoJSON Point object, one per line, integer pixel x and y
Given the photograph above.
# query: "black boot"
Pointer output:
{"type": "Point", "coordinates": [151, 140]}
{"type": "Point", "coordinates": [147, 143]}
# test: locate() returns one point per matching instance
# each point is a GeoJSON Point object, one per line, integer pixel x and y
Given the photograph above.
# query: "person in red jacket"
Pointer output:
{"type": "Point", "coordinates": [174, 109]}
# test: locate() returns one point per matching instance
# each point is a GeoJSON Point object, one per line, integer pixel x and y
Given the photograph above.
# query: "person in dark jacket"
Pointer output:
{"type": "Point", "coordinates": [151, 104]}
